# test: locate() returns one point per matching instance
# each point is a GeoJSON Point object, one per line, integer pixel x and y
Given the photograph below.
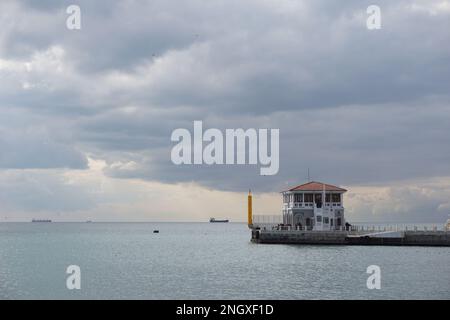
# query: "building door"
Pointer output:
{"type": "Point", "coordinates": [318, 200]}
{"type": "Point", "coordinates": [308, 222]}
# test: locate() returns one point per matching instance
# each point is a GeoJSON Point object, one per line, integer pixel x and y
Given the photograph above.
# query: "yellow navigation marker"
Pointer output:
{"type": "Point", "coordinates": [249, 206]}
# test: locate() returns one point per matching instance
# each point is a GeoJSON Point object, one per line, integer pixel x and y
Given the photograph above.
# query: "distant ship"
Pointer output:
{"type": "Point", "coordinates": [41, 220]}
{"type": "Point", "coordinates": [213, 220]}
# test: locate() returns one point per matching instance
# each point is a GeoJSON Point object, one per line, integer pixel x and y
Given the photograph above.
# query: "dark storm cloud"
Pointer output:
{"type": "Point", "coordinates": [354, 106]}
{"type": "Point", "coordinates": [32, 142]}
{"type": "Point", "coordinates": [347, 145]}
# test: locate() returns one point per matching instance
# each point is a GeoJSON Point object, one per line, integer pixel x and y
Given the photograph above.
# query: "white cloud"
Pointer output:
{"type": "Point", "coordinates": [432, 8]}
{"type": "Point", "coordinates": [426, 200]}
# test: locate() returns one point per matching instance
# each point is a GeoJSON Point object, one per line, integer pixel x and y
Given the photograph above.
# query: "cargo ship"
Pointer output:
{"type": "Point", "coordinates": [214, 220]}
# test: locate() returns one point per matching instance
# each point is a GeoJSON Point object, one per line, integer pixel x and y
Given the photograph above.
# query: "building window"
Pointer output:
{"type": "Point", "coordinates": [308, 197]}
{"type": "Point", "coordinates": [328, 197]}
{"type": "Point", "coordinates": [325, 220]}
{"type": "Point", "coordinates": [298, 197]}
{"type": "Point", "coordinates": [336, 198]}
{"type": "Point", "coordinates": [319, 218]}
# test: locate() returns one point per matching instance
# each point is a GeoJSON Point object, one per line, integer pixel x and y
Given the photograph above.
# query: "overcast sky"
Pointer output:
{"type": "Point", "coordinates": [86, 115]}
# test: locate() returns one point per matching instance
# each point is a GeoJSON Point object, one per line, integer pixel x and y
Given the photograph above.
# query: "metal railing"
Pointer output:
{"type": "Point", "coordinates": [273, 222]}
{"type": "Point", "coordinates": [396, 227]}
{"type": "Point", "coordinates": [267, 219]}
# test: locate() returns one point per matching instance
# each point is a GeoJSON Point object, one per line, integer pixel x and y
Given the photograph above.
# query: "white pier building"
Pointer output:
{"type": "Point", "coordinates": [314, 205]}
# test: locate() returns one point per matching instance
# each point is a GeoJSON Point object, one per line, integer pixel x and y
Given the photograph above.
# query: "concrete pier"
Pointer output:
{"type": "Point", "coordinates": [399, 238]}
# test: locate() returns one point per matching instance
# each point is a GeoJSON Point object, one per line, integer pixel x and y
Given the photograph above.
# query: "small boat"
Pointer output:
{"type": "Point", "coordinates": [41, 220]}
{"type": "Point", "coordinates": [155, 231]}
{"type": "Point", "coordinates": [214, 220]}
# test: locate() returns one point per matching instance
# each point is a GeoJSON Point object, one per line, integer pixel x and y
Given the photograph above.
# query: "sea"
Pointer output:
{"type": "Point", "coordinates": [205, 261]}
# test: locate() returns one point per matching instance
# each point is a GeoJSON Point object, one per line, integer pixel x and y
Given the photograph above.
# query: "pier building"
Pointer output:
{"type": "Point", "coordinates": [315, 205]}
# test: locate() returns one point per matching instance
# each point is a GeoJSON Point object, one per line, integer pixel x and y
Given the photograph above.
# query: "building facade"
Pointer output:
{"type": "Point", "coordinates": [314, 205]}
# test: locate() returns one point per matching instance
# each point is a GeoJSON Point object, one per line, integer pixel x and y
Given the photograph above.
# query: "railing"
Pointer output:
{"type": "Point", "coordinates": [273, 222]}
{"type": "Point", "coordinates": [396, 227]}
{"type": "Point", "coordinates": [309, 204]}
{"type": "Point", "coordinates": [267, 219]}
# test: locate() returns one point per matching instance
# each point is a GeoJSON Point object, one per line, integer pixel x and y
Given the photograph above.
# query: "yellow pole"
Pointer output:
{"type": "Point", "coordinates": [249, 207]}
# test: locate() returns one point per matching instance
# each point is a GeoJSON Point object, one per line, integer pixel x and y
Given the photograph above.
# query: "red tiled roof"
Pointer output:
{"type": "Point", "coordinates": [316, 186]}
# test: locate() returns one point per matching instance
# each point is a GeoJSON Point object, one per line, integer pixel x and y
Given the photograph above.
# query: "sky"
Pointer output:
{"type": "Point", "coordinates": [86, 115]}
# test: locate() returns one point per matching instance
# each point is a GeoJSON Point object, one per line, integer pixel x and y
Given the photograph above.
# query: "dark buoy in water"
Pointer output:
{"type": "Point", "coordinates": [155, 231]}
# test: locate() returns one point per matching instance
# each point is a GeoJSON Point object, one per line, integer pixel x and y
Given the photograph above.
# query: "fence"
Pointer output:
{"type": "Point", "coordinates": [271, 221]}
{"type": "Point", "coordinates": [396, 227]}
{"type": "Point", "coordinates": [267, 221]}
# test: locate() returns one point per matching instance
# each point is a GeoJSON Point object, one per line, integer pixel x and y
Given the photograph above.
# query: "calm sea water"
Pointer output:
{"type": "Point", "coordinates": [204, 261]}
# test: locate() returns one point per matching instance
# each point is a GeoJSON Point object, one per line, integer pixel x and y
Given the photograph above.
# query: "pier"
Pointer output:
{"type": "Point", "coordinates": [396, 238]}
{"type": "Point", "coordinates": [313, 214]}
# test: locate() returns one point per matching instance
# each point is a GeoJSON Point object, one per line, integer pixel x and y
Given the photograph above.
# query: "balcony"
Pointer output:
{"type": "Point", "coordinates": [307, 205]}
